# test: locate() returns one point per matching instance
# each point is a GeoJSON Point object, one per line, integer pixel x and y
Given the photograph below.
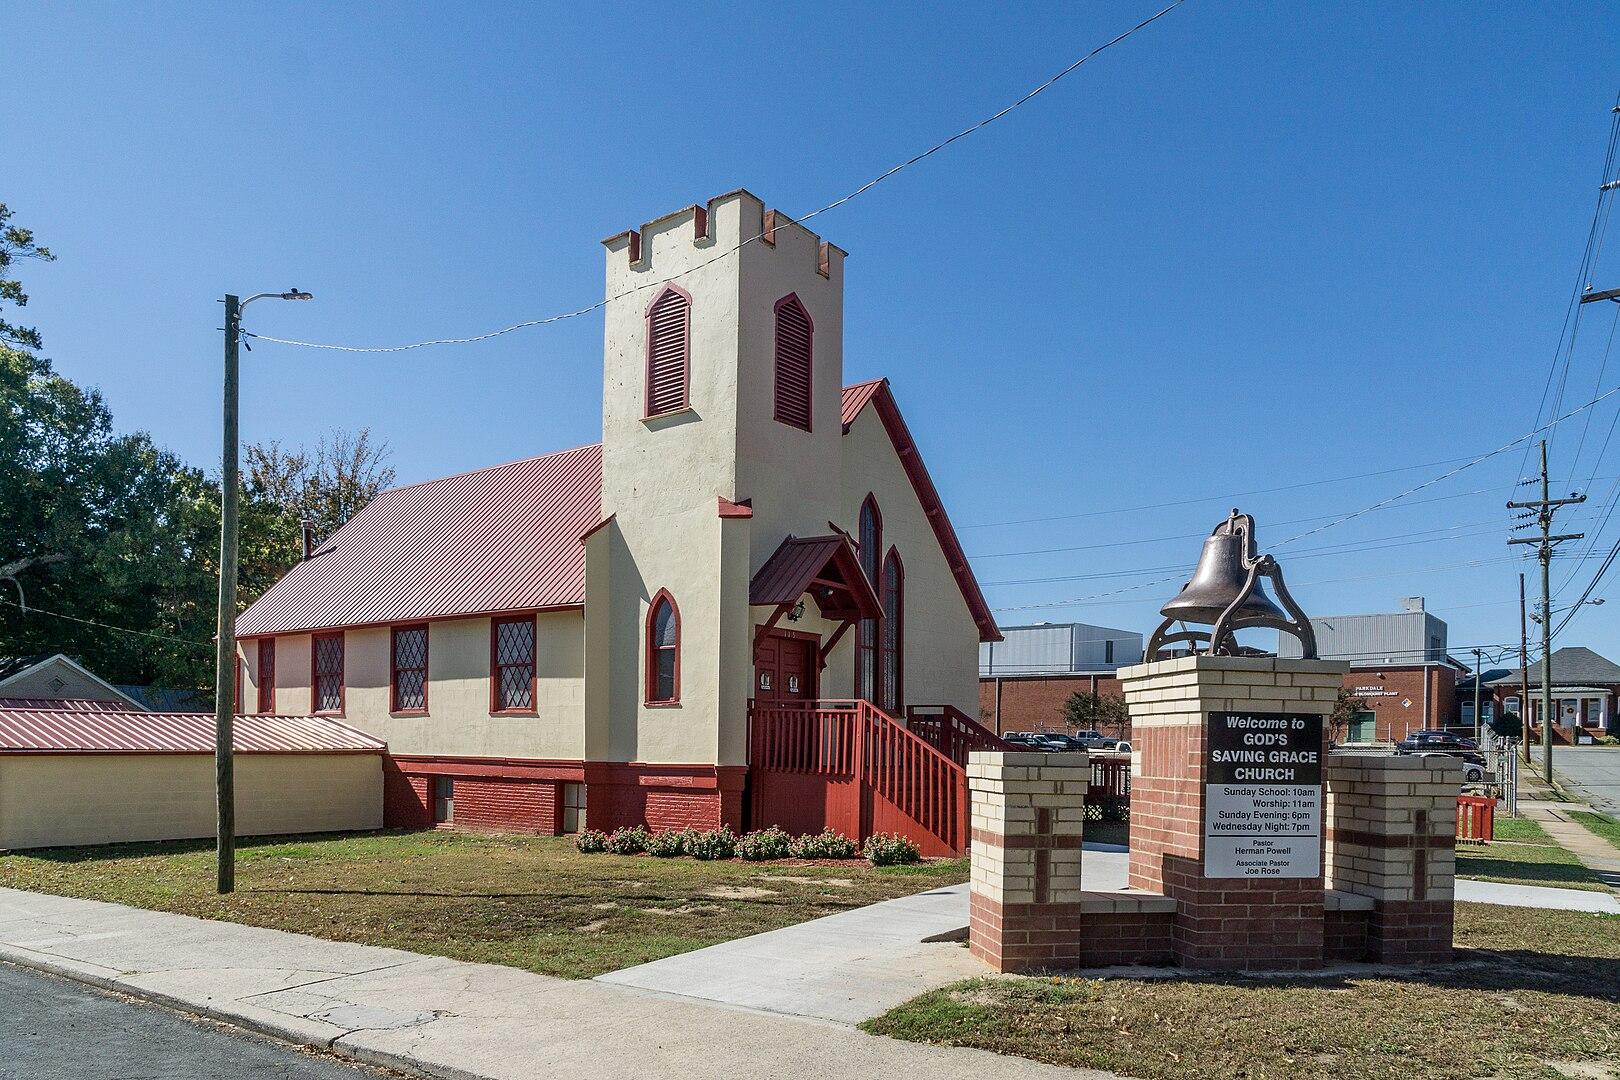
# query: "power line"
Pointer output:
{"type": "Point", "coordinates": [1455, 532]}
{"type": "Point", "coordinates": [31, 610]}
{"type": "Point", "coordinates": [863, 189]}
{"type": "Point", "coordinates": [1201, 534]}
{"type": "Point", "coordinates": [1209, 498]}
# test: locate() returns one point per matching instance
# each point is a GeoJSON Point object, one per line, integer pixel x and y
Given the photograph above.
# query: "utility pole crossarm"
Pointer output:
{"type": "Point", "coordinates": [1546, 502]}
{"type": "Point", "coordinates": [1546, 539]}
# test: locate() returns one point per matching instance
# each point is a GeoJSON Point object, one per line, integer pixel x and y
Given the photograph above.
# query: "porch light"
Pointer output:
{"type": "Point", "coordinates": [797, 613]}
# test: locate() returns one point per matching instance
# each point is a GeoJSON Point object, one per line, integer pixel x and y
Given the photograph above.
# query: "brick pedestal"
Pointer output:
{"type": "Point", "coordinates": [1220, 923]}
{"type": "Point", "coordinates": [1392, 826]}
{"type": "Point", "coordinates": [1028, 816]}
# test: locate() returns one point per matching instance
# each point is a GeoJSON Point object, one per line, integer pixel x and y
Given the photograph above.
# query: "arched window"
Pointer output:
{"type": "Point", "coordinates": [870, 538]}
{"type": "Point", "coordinates": [890, 661]}
{"type": "Point", "coordinates": [663, 651]}
{"type": "Point", "coordinates": [669, 331]}
{"type": "Point", "coordinates": [794, 333]}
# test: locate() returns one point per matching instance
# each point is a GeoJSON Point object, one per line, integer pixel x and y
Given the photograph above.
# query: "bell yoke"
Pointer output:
{"type": "Point", "coordinates": [1224, 593]}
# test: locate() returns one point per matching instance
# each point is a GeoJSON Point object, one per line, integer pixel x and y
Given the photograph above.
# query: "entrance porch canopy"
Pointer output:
{"type": "Point", "coordinates": [827, 568]}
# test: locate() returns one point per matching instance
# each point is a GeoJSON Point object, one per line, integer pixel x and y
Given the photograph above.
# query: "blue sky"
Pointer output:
{"type": "Point", "coordinates": [1257, 245]}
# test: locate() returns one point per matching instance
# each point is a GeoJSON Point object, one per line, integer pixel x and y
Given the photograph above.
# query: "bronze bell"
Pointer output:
{"type": "Point", "coordinates": [1217, 581]}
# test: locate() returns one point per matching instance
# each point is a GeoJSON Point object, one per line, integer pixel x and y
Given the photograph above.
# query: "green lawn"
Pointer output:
{"type": "Point", "coordinates": [1523, 854]}
{"type": "Point", "coordinates": [1537, 990]}
{"type": "Point", "coordinates": [1601, 824]}
{"type": "Point", "coordinates": [525, 901]}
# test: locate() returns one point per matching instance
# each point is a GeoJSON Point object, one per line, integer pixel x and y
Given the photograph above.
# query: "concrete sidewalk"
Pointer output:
{"type": "Point", "coordinates": [448, 1018]}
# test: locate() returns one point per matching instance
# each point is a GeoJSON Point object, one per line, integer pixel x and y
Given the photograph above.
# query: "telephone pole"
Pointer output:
{"type": "Point", "coordinates": [1545, 507]}
{"type": "Point", "coordinates": [1524, 677]}
{"type": "Point", "coordinates": [1479, 728]}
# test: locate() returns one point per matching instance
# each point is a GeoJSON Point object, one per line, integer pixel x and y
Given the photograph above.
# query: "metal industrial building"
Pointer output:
{"type": "Point", "coordinates": [1398, 666]}
{"type": "Point", "coordinates": [1025, 678]}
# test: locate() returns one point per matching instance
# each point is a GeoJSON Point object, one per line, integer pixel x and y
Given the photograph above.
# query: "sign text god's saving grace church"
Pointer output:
{"type": "Point", "coordinates": [1263, 796]}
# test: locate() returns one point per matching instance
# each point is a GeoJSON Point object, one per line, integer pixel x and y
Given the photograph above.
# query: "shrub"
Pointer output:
{"type": "Point", "coordinates": [891, 849]}
{"type": "Point", "coordinates": [591, 841]}
{"type": "Point", "coordinates": [630, 841]}
{"type": "Point", "coordinates": [667, 845]}
{"type": "Point", "coordinates": [719, 843]}
{"type": "Point", "coordinates": [771, 843]}
{"type": "Point", "coordinates": [825, 845]}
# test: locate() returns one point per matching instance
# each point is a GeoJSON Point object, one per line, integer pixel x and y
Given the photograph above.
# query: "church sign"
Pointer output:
{"type": "Point", "coordinates": [1263, 796]}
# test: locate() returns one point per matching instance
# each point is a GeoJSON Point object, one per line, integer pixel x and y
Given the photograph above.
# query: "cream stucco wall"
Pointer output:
{"type": "Point", "coordinates": [940, 643]}
{"type": "Point", "coordinates": [49, 800]}
{"type": "Point", "coordinates": [458, 721]}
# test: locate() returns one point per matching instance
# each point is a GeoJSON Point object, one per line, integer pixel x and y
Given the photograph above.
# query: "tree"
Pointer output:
{"type": "Point", "coordinates": [16, 243]}
{"type": "Point", "coordinates": [1345, 707]}
{"type": "Point", "coordinates": [1087, 711]}
{"type": "Point", "coordinates": [326, 485]}
{"type": "Point", "coordinates": [1506, 724]}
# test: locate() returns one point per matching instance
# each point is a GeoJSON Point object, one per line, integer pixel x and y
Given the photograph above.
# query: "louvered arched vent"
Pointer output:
{"type": "Point", "coordinates": [669, 326]}
{"type": "Point", "coordinates": [794, 334]}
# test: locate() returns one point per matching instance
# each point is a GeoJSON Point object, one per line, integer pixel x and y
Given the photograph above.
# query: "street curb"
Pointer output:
{"type": "Point", "coordinates": [280, 1033]}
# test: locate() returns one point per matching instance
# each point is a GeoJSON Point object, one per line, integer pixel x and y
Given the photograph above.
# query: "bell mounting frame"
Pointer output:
{"type": "Point", "coordinates": [1219, 640]}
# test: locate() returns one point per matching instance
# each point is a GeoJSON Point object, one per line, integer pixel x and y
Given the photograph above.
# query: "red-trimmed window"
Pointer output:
{"type": "Point", "coordinates": [794, 334]}
{"type": "Point", "coordinates": [870, 539]}
{"type": "Point", "coordinates": [267, 674]}
{"type": "Point", "coordinates": [326, 685]}
{"type": "Point", "coordinates": [236, 690]}
{"type": "Point", "coordinates": [663, 651]}
{"type": "Point", "coordinates": [511, 668]}
{"type": "Point", "coordinates": [408, 681]}
{"type": "Point", "coordinates": [890, 653]}
{"type": "Point", "coordinates": [669, 331]}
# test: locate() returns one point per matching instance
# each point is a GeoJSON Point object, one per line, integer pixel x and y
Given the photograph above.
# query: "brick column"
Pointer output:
{"type": "Point", "coordinates": [1392, 827]}
{"type": "Point", "coordinates": [1028, 816]}
{"type": "Point", "coordinates": [1220, 923]}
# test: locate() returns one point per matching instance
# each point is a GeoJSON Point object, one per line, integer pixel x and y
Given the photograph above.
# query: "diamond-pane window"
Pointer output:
{"type": "Point", "coordinates": [328, 672]}
{"type": "Point", "coordinates": [410, 668]}
{"type": "Point", "coordinates": [513, 656]}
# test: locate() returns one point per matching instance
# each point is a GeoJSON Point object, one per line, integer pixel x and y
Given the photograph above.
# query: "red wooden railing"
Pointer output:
{"type": "Point", "coordinates": [1476, 819]}
{"type": "Point", "coordinates": [850, 766]}
{"type": "Point", "coordinates": [952, 732]}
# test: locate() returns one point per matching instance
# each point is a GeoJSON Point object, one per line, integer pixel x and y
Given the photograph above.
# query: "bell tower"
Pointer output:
{"type": "Point", "coordinates": [722, 385]}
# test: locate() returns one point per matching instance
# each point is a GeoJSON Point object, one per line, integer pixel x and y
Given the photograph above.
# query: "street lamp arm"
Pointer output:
{"type": "Point", "coordinates": [290, 294]}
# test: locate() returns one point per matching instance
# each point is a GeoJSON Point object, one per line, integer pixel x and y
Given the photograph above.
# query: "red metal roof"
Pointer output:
{"type": "Point", "coordinates": [55, 731]}
{"type": "Point", "coordinates": [500, 539]}
{"type": "Point", "coordinates": [856, 398]}
{"type": "Point", "coordinates": [792, 571]}
{"type": "Point", "coordinates": [64, 704]}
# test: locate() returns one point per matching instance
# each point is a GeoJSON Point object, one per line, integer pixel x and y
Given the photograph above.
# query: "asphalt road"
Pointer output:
{"type": "Point", "coordinates": [54, 1029]}
{"type": "Point", "coordinates": [1593, 769]}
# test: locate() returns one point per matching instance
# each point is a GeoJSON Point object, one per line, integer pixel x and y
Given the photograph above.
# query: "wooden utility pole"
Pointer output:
{"type": "Point", "coordinates": [1479, 728]}
{"type": "Point", "coordinates": [1545, 507]}
{"type": "Point", "coordinates": [225, 659]}
{"type": "Point", "coordinates": [1524, 676]}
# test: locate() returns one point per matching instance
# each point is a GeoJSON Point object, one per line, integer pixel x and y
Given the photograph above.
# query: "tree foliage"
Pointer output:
{"type": "Point", "coordinates": [326, 484]}
{"type": "Point", "coordinates": [102, 530]}
{"type": "Point", "coordinates": [1345, 707]}
{"type": "Point", "coordinates": [16, 243]}
{"type": "Point", "coordinates": [1103, 712]}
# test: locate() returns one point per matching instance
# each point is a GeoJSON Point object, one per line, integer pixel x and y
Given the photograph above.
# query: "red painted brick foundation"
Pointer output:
{"type": "Point", "coordinates": [526, 795]}
{"type": "Point", "coordinates": [1411, 932]}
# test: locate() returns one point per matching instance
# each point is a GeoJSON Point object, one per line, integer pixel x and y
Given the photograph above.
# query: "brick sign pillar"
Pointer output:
{"type": "Point", "coordinates": [1227, 804]}
{"type": "Point", "coordinates": [1392, 827]}
{"type": "Point", "coordinates": [1028, 816]}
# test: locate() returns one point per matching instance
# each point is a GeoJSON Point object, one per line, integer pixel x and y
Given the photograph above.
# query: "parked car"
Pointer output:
{"type": "Point", "coordinates": [1447, 744]}
{"type": "Point", "coordinates": [1095, 740]}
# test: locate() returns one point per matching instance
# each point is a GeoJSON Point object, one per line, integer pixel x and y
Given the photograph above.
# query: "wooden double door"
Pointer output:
{"type": "Point", "coordinates": [785, 667]}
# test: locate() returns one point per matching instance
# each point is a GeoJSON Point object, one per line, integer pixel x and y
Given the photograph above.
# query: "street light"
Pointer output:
{"type": "Point", "coordinates": [225, 659]}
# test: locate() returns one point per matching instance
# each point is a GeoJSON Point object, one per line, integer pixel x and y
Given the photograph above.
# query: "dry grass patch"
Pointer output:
{"type": "Point", "coordinates": [525, 901]}
{"type": "Point", "coordinates": [1535, 988]}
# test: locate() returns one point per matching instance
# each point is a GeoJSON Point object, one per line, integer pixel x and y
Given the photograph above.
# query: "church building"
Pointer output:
{"type": "Point", "coordinates": [593, 635]}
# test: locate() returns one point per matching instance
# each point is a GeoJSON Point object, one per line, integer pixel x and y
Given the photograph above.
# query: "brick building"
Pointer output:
{"type": "Point", "coordinates": [1025, 678]}
{"type": "Point", "coordinates": [1398, 666]}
